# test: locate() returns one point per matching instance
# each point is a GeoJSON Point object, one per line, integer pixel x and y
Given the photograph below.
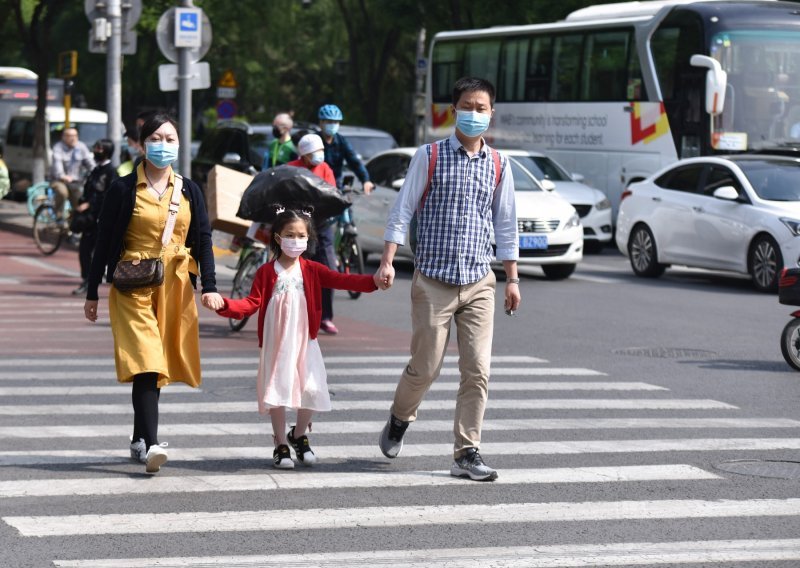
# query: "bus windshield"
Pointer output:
{"type": "Point", "coordinates": [763, 95]}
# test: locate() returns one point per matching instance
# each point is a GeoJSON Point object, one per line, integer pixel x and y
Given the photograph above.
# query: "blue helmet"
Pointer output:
{"type": "Point", "coordinates": [330, 112]}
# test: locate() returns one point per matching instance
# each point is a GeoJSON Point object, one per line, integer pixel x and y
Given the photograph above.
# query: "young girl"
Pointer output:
{"type": "Point", "coordinates": [287, 294]}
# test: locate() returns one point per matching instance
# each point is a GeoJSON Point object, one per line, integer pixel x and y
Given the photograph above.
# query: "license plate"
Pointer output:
{"type": "Point", "coordinates": [533, 242]}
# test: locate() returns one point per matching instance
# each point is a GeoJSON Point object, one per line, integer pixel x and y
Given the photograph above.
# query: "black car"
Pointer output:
{"type": "Point", "coordinates": [236, 145]}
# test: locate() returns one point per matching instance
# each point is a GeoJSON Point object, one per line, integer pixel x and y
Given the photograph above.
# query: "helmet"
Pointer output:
{"type": "Point", "coordinates": [330, 112]}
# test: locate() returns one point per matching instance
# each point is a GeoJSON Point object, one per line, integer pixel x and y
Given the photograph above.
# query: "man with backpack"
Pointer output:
{"type": "Point", "coordinates": [461, 190]}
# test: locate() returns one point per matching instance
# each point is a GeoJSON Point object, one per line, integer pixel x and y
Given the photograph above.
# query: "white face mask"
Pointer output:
{"type": "Point", "coordinates": [317, 158]}
{"type": "Point", "coordinates": [293, 247]}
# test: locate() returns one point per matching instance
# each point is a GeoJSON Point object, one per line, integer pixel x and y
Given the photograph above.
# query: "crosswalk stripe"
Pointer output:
{"type": "Point", "coordinates": [410, 515]}
{"type": "Point", "coordinates": [332, 372]}
{"type": "Point", "coordinates": [343, 405]}
{"type": "Point", "coordinates": [565, 447]}
{"type": "Point", "coordinates": [329, 360]}
{"type": "Point", "coordinates": [539, 556]}
{"type": "Point", "coordinates": [48, 266]}
{"type": "Point", "coordinates": [354, 427]}
{"type": "Point", "coordinates": [322, 480]}
{"type": "Point", "coordinates": [348, 387]}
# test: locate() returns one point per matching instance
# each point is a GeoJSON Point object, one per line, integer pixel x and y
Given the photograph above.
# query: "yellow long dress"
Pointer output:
{"type": "Point", "coordinates": [156, 329]}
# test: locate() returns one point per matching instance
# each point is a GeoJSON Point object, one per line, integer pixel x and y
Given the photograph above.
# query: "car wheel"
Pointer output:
{"type": "Point", "coordinates": [558, 271]}
{"type": "Point", "coordinates": [643, 253]}
{"type": "Point", "coordinates": [765, 263]}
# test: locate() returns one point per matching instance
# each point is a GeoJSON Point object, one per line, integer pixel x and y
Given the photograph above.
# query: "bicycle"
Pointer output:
{"type": "Point", "coordinates": [350, 259]}
{"type": "Point", "coordinates": [49, 230]}
{"type": "Point", "coordinates": [254, 253]}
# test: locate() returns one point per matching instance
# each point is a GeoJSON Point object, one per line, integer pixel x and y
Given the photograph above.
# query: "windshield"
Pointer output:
{"type": "Point", "coordinates": [773, 180]}
{"type": "Point", "coordinates": [543, 168]}
{"type": "Point", "coordinates": [88, 132]}
{"type": "Point", "coordinates": [762, 99]}
{"type": "Point", "coordinates": [522, 179]}
{"type": "Point", "coordinates": [368, 146]}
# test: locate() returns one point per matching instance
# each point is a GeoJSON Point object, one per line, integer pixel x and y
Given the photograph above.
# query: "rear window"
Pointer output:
{"type": "Point", "coordinates": [368, 146]}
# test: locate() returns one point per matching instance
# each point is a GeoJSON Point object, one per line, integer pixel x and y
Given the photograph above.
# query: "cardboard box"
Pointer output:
{"type": "Point", "coordinates": [223, 193]}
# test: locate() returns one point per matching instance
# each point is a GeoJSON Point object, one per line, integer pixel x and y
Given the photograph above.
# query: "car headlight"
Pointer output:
{"type": "Point", "coordinates": [603, 205]}
{"type": "Point", "coordinates": [792, 224]}
{"type": "Point", "coordinates": [573, 221]}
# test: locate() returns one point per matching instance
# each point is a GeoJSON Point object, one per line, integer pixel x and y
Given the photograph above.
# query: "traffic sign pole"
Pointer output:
{"type": "Point", "coordinates": [113, 78]}
{"type": "Point", "coordinates": [184, 22]}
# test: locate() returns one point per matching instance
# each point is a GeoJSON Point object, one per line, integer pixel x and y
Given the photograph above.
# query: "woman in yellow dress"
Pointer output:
{"type": "Point", "coordinates": [156, 331]}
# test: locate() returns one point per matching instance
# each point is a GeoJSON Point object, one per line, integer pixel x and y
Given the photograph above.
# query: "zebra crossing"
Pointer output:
{"type": "Point", "coordinates": [574, 448]}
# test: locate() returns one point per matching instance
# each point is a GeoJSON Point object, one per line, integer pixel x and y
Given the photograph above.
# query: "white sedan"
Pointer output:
{"type": "Point", "coordinates": [735, 213]}
{"type": "Point", "coordinates": [550, 230]}
{"type": "Point", "coordinates": [592, 205]}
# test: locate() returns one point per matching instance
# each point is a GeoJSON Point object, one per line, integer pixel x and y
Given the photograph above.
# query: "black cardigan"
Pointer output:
{"type": "Point", "coordinates": [113, 223]}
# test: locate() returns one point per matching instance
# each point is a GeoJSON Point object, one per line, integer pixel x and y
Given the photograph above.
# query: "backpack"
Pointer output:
{"type": "Point", "coordinates": [412, 231]}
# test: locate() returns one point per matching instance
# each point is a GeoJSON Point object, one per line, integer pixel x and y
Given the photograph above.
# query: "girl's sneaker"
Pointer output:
{"type": "Point", "coordinates": [282, 457]}
{"type": "Point", "coordinates": [302, 449]}
{"type": "Point", "coordinates": [156, 457]}
{"type": "Point", "coordinates": [139, 451]}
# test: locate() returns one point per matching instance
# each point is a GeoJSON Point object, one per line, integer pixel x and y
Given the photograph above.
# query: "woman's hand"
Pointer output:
{"type": "Point", "coordinates": [90, 310]}
{"type": "Point", "coordinates": [212, 301]}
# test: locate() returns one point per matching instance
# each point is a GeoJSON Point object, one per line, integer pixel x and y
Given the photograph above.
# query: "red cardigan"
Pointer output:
{"type": "Point", "coordinates": [315, 277]}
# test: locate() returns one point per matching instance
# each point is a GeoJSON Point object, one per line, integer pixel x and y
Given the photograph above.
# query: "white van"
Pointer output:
{"type": "Point", "coordinates": [18, 151]}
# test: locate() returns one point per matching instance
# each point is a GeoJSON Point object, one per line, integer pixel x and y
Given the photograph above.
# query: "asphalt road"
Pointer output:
{"type": "Point", "coordinates": [633, 422]}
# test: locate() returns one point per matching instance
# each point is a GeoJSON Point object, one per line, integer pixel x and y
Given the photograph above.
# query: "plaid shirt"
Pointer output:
{"type": "Point", "coordinates": [461, 211]}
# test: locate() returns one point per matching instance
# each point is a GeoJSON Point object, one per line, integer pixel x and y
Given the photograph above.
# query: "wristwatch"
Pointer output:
{"type": "Point", "coordinates": [512, 280]}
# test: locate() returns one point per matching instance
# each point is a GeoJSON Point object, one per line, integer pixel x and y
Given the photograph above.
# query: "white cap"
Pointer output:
{"type": "Point", "coordinates": [309, 143]}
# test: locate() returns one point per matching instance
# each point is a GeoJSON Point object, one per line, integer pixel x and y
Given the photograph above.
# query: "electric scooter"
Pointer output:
{"type": "Point", "coordinates": [789, 294]}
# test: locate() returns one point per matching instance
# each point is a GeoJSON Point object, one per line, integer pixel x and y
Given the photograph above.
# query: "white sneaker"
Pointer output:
{"type": "Point", "coordinates": [139, 451]}
{"type": "Point", "coordinates": [156, 457]}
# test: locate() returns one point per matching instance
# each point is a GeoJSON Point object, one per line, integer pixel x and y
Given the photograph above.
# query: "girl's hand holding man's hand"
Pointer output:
{"type": "Point", "coordinates": [212, 301]}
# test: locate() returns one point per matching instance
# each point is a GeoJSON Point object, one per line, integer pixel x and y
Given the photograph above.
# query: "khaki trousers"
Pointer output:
{"type": "Point", "coordinates": [434, 305]}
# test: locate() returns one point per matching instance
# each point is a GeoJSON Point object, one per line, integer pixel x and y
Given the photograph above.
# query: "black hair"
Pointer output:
{"type": "Point", "coordinates": [471, 84]}
{"type": "Point", "coordinates": [285, 217]}
{"type": "Point", "coordinates": [154, 123]}
{"type": "Point", "coordinates": [106, 146]}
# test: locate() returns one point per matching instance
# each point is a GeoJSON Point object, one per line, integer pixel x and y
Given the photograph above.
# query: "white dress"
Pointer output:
{"type": "Point", "coordinates": [291, 371]}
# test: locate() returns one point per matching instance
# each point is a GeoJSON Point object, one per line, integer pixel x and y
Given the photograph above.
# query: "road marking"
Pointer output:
{"type": "Point", "coordinates": [392, 517]}
{"type": "Point", "coordinates": [332, 372]}
{"type": "Point", "coordinates": [347, 387]}
{"type": "Point", "coordinates": [594, 279]}
{"type": "Point", "coordinates": [330, 360]}
{"type": "Point", "coordinates": [329, 453]}
{"type": "Point", "coordinates": [325, 428]}
{"type": "Point", "coordinates": [539, 556]}
{"type": "Point", "coordinates": [258, 428]}
{"type": "Point", "coordinates": [28, 261]}
{"type": "Point", "coordinates": [342, 405]}
{"type": "Point", "coordinates": [9, 280]}
{"type": "Point", "coordinates": [335, 480]}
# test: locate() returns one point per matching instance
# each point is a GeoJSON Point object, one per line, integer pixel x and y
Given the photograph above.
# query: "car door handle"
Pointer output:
{"type": "Point", "coordinates": [698, 209]}
{"type": "Point", "coordinates": [656, 199]}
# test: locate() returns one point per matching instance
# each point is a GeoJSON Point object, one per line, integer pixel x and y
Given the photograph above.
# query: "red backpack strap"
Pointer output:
{"type": "Point", "coordinates": [431, 167]}
{"type": "Point", "coordinates": [497, 167]}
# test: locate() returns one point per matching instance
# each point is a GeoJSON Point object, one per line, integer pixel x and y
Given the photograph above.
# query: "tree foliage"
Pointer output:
{"type": "Point", "coordinates": [286, 54]}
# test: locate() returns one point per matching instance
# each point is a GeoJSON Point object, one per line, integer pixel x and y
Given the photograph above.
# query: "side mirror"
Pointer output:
{"type": "Point", "coordinates": [398, 183]}
{"type": "Point", "coordinates": [716, 83]}
{"type": "Point", "coordinates": [577, 177]}
{"type": "Point", "coordinates": [231, 158]}
{"type": "Point", "coordinates": [547, 185]}
{"type": "Point", "coordinates": [726, 192]}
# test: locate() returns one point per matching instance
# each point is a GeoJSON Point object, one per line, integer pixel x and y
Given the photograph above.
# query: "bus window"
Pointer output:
{"type": "Point", "coordinates": [447, 68]}
{"type": "Point", "coordinates": [605, 69]}
{"type": "Point", "coordinates": [512, 70]}
{"type": "Point", "coordinates": [537, 80]}
{"type": "Point", "coordinates": [482, 59]}
{"type": "Point", "coordinates": [566, 67]}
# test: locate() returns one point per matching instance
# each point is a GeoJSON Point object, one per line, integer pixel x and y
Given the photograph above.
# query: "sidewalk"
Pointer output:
{"type": "Point", "coordinates": [14, 217]}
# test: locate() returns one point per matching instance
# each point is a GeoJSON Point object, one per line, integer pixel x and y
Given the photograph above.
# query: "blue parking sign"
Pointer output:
{"type": "Point", "coordinates": [188, 27]}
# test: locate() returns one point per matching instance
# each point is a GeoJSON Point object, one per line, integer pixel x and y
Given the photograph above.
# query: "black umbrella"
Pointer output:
{"type": "Point", "coordinates": [294, 188]}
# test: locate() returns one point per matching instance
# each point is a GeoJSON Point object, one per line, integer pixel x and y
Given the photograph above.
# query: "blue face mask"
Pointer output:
{"type": "Point", "coordinates": [161, 154]}
{"type": "Point", "coordinates": [331, 129]}
{"type": "Point", "coordinates": [472, 123]}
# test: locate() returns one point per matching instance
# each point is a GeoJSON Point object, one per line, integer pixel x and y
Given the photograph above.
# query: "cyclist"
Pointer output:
{"type": "Point", "coordinates": [72, 160]}
{"type": "Point", "coordinates": [281, 149]}
{"type": "Point", "coordinates": [338, 148]}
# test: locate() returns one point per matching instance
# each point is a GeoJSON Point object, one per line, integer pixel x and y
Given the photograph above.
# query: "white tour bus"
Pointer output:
{"type": "Point", "coordinates": [617, 91]}
{"type": "Point", "coordinates": [18, 89]}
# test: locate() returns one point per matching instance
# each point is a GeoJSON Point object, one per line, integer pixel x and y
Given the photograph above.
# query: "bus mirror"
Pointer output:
{"type": "Point", "coordinates": [716, 82]}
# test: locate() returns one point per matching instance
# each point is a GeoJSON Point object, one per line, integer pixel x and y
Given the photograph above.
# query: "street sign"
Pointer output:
{"type": "Point", "coordinates": [200, 76]}
{"type": "Point", "coordinates": [165, 36]}
{"type": "Point", "coordinates": [226, 109]}
{"type": "Point", "coordinates": [228, 80]}
{"type": "Point", "coordinates": [188, 23]}
{"type": "Point", "coordinates": [226, 93]}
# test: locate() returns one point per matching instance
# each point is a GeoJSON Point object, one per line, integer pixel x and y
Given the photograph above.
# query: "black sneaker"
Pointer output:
{"type": "Point", "coordinates": [302, 449]}
{"type": "Point", "coordinates": [391, 440]}
{"type": "Point", "coordinates": [81, 290]}
{"type": "Point", "coordinates": [471, 465]}
{"type": "Point", "coordinates": [282, 457]}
